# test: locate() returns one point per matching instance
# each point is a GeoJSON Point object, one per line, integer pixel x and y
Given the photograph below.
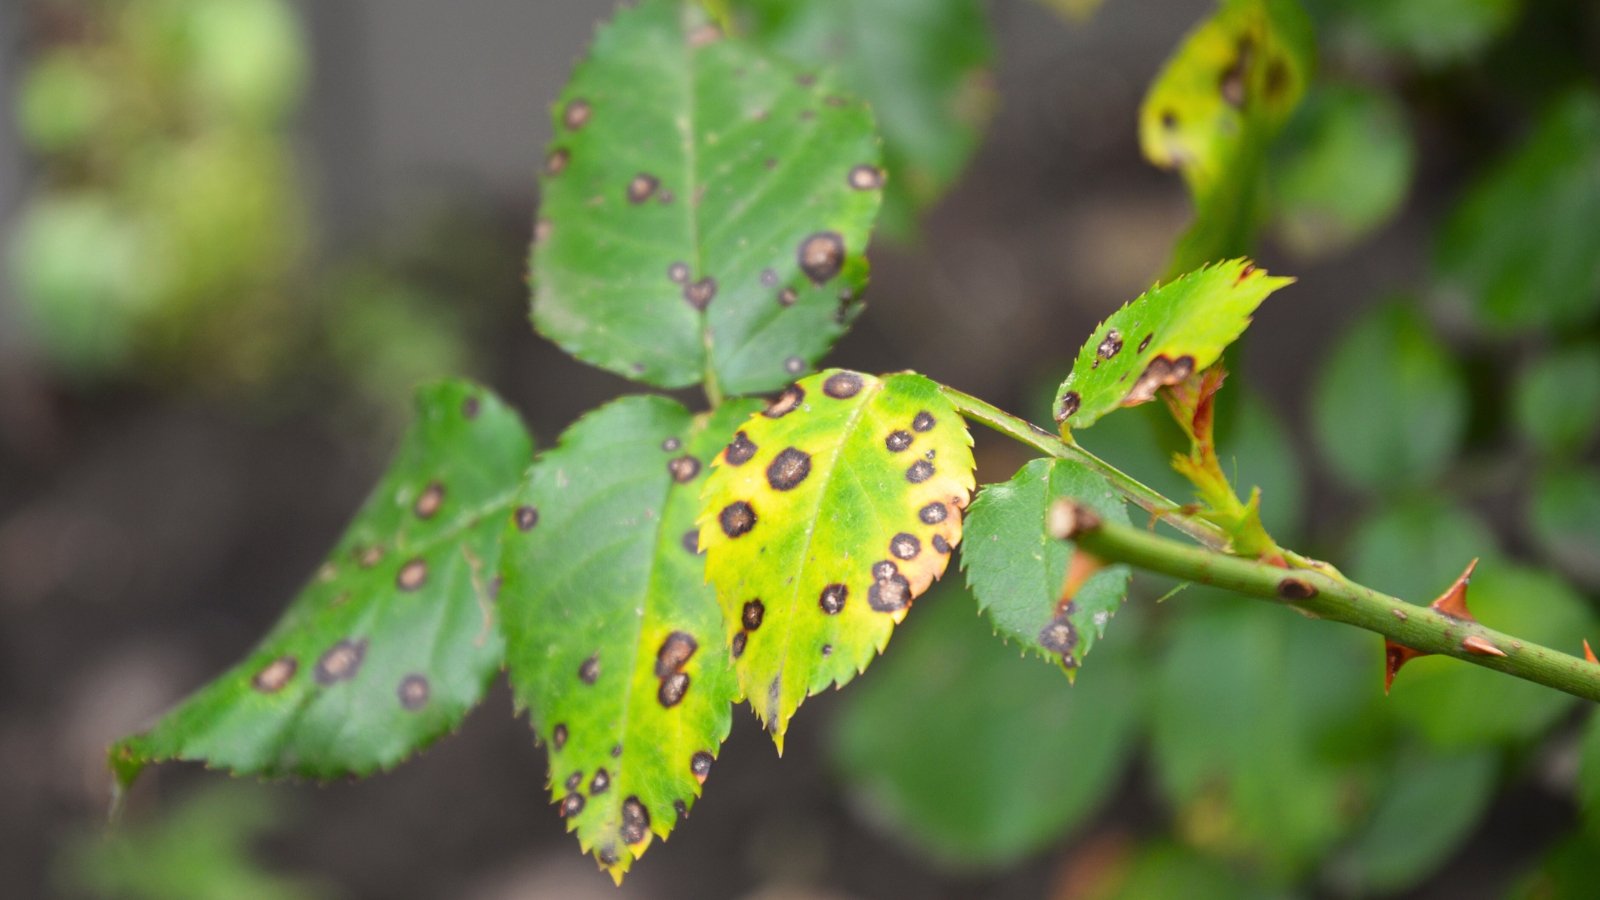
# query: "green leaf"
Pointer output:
{"type": "Point", "coordinates": [921, 64]}
{"type": "Point", "coordinates": [1424, 812]}
{"type": "Point", "coordinates": [1558, 400]}
{"type": "Point", "coordinates": [614, 641]}
{"type": "Point", "coordinates": [1564, 512]}
{"type": "Point", "coordinates": [1170, 332]}
{"type": "Point", "coordinates": [930, 752]}
{"type": "Point", "coordinates": [199, 849]}
{"type": "Point", "coordinates": [1589, 775]}
{"type": "Point", "coordinates": [705, 207]}
{"type": "Point", "coordinates": [1170, 870]}
{"type": "Point", "coordinates": [1258, 728]}
{"type": "Point", "coordinates": [1523, 247]}
{"type": "Point", "coordinates": [1433, 32]}
{"type": "Point", "coordinates": [1018, 571]}
{"type": "Point", "coordinates": [1458, 705]}
{"type": "Point", "coordinates": [394, 640]}
{"type": "Point", "coordinates": [1389, 408]}
{"type": "Point", "coordinates": [1213, 111]}
{"type": "Point", "coordinates": [1416, 547]}
{"type": "Point", "coordinates": [823, 519]}
{"type": "Point", "coordinates": [1341, 168]}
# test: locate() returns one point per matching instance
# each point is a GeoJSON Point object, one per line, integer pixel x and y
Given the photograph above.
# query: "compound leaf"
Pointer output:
{"type": "Point", "coordinates": [394, 640]}
{"type": "Point", "coordinates": [823, 519]}
{"type": "Point", "coordinates": [1168, 333]}
{"type": "Point", "coordinates": [614, 641]}
{"type": "Point", "coordinates": [705, 207]}
{"type": "Point", "coordinates": [958, 747]}
{"type": "Point", "coordinates": [1021, 574]}
{"type": "Point", "coordinates": [1213, 111]}
{"type": "Point", "coordinates": [923, 66]}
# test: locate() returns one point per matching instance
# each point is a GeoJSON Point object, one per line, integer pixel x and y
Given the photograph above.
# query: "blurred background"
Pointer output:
{"type": "Point", "coordinates": [236, 233]}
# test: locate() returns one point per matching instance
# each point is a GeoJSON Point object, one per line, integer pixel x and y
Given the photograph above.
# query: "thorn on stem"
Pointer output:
{"type": "Point", "coordinates": [1589, 653]}
{"type": "Point", "coordinates": [1481, 646]}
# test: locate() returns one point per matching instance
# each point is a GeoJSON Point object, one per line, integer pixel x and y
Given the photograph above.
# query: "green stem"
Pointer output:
{"type": "Point", "coordinates": [1135, 491]}
{"type": "Point", "coordinates": [1324, 596]}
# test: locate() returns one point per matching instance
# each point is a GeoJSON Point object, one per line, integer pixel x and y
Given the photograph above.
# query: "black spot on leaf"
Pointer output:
{"type": "Point", "coordinates": [920, 471]}
{"type": "Point", "coordinates": [684, 469]}
{"type": "Point", "coordinates": [527, 517]}
{"type": "Point", "coordinates": [897, 441]}
{"type": "Point", "coordinates": [274, 675]}
{"type": "Point", "coordinates": [413, 692]}
{"type": "Point", "coordinates": [740, 450]}
{"type": "Point", "coordinates": [753, 612]}
{"type": "Point", "coordinates": [842, 385]}
{"type": "Point", "coordinates": [737, 518]}
{"type": "Point", "coordinates": [933, 513]}
{"type": "Point", "coordinates": [821, 256]}
{"type": "Point", "coordinates": [787, 402]}
{"type": "Point", "coordinates": [673, 687]}
{"type": "Point", "coordinates": [600, 782]}
{"type": "Point", "coordinates": [429, 501]}
{"type": "Point", "coordinates": [576, 114]}
{"type": "Point", "coordinates": [700, 765]}
{"type": "Point", "coordinates": [635, 821]}
{"type": "Point", "coordinates": [865, 178]}
{"type": "Point", "coordinates": [788, 469]}
{"type": "Point", "coordinates": [904, 546]}
{"type": "Point", "coordinates": [571, 805]}
{"type": "Point", "coordinates": [1070, 401]}
{"type": "Point", "coordinates": [924, 421]}
{"type": "Point", "coordinates": [340, 662]}
{"type": "Point", "coordinates": [678, 648]}
{"type": "Point", "coordinates": [642, 187]}
{"type": "Point", "coordinates": [589, 670]}
{"type": "Point", "coordinates": [412, 575]}
{"type": "Point", "coordinates": [558, 737]}
{"type": "Point", "coordinates": [832, 598]}
{"type": "Point", "coordinates": [1110, 345]}
{"type": "Point", "coordinates": [701, 292]}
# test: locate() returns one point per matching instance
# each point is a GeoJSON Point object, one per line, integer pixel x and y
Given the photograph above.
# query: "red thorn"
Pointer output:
{"type": "Point", "coordinates": [1453, 602]}
{"type": "Point", "coordinates": [1588, 653]}
{"type": "Point", "coordinates": [1395, 656]}
{"type": "Point", "coordinates": [1481, 646]}
{"type": "Point", "coordinates": [1080, 568]}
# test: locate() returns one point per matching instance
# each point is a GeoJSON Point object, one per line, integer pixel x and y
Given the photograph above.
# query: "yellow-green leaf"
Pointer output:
{"type": "Point", "coordinates": [824, 517]}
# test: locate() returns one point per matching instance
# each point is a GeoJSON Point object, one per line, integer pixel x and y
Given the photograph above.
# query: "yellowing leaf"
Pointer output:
{"type": "Point", "coordinates": [824, 518]}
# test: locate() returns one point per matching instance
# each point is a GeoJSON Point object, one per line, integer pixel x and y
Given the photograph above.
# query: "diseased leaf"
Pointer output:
{"type": "Point", "coordinates": [1523, 247]}
{"type": "Point", "coordinates": [1168, 333]}
{"type": "Point", "coordinates": [1457, 705]}
{"type": "Point", "coordinates": [1025, 579]}
{"type": "Point", "coordinates": [394, 640]}
{"type": "Point", "coordinates": [1214, 109]}
{"type": "Point", "coordinates": [1390, 405]}
{"type": "Point", "coordinates": [921, 64]}
{"type": "Point", "coordinates": [705, 207]}
{"type": "Point", "coordinates": [614, 641]}
{"type": "Point", "coordinates": [1341, 168]}
{"type": "Point", "coordinates": [823, 519]}
{"type": "Point", "coordinates": [1558, 400]}
{"type": "Point", "coordinates": [959, 748]}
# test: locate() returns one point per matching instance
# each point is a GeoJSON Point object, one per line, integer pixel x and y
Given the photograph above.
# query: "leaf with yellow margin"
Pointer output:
{"type": "Point", "coordinates": [824, 517]}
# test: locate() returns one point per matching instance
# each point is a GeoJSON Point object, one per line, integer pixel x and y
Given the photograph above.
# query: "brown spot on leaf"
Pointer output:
{"type": "Point", "coordinates": [556, 161]}
{"type": "Point", "coordinates": [600, 782]}
{"type": "Point", "coordinates": [274, 675]}
{"type": "Point", "coordinates": [740, 450]}
{"type": "Point", "coordinates": [575, 779]}
{"type": "Point", "coordinates": [635, 821]}
{"type": "Point", "coordinates": [904, 546]}
{"type": "Point", "coordinates": [752, 614]}
{"type": "Point", "coordinates": [788, 469]}
{"type": "Point", "coordinates": [527, 517]}
{"type": "Point", "coordinates": [412, 575]}
{"type": "Point", "coordinates": [1110, 345]}
{"type": "Point", "coordinates": [940, 544]}
{"type": "Point", "coordinates": [737, 518]}
{"type": "Point", "coordinates": [700, 765]}
{"type": "Point", "coordinates": [832, 598]}
{"type": "Point", "coordinates": [673, 688]}
{"type": "Point", "coordinates": [340, 662]}
{"type": "Point", "coordinates": [1169, 119]}
{"type": "Point", "coordinates": [842, 385]}
{"type": "Point", "coordinates": [671, 445]}
{"type": "Point", "coordinates": [787, 402]}
{"type": "Point", "coordinates": [920, 471]}
{"type": "Point", "coordinates": [576, 114]}
{"type": "Point", "coordinates": [429, 501]}
{"type": "Point", "coordinates": [1161, 372]}
{"type": "Point", "coordinates": [678, 273]}
{"type": "Point", "coordinates": [700, 294]}
{"type": "Point", "coordinates": [736, 646]}
{"type": "Point", "coordinates": [413, 692]}
{"type": "Point", "coordinates": [866, 178]}
{"type": "Point", "coordinates": [1059, 635]}
{"type": "Point", "coordinates": [571, 805]}
{"type": "Point", "coordinates": [367, 557]}
{"type": "Point", "coordinates": [821, 256]}
{"type": "Point", "coordinates": [675, 651]}
{"type": "Point", "coordinates": [890, 594]}
{"type": "Point", "coordinates": [1070, 401]}
{"type": "Point", "coordinates": [558, 737]}
{"type": "Point", "coordinates": [691, 541]}
{"type": "Point", "coordinates": [683, 468]}
{"type": "Point", "coordinates": [642, 187]}
{"type": "Point", "coordinates": [589, 670]}
{"type": "Point", "coordinates": [787, 297]}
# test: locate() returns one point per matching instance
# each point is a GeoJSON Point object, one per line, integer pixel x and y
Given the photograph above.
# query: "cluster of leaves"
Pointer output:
{"type": "Point", "coordinates": [706, 205]}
